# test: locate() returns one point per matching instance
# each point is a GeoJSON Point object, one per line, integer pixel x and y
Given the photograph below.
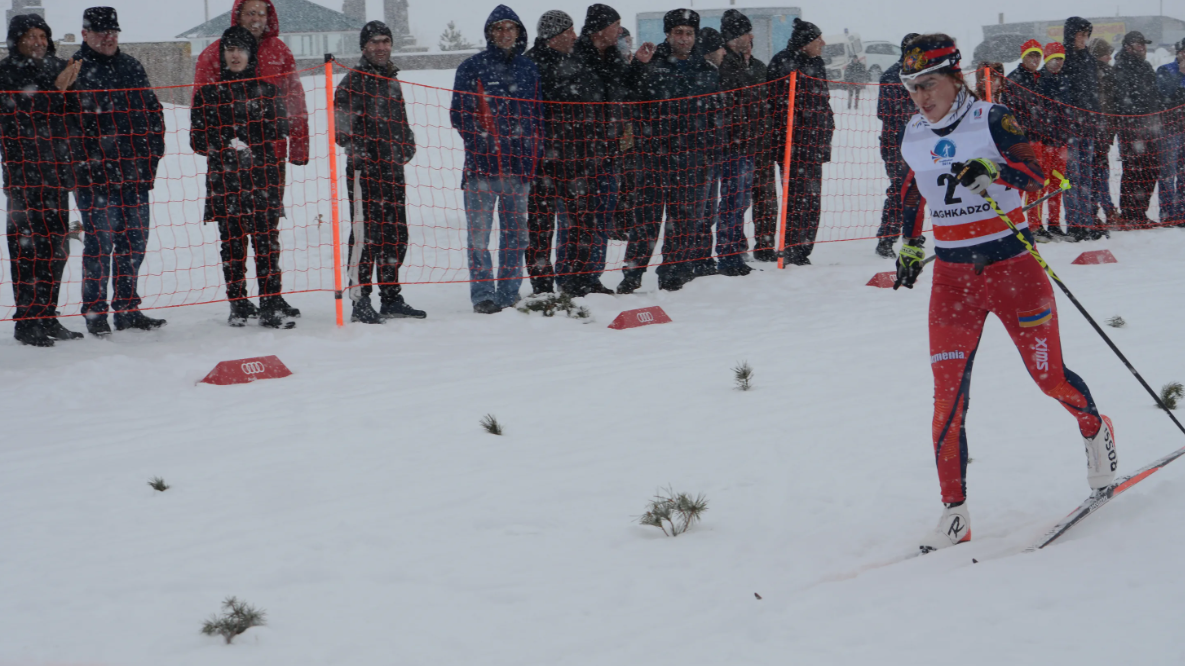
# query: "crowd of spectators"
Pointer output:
{"type": "Point", "coordinates": [573, 139]}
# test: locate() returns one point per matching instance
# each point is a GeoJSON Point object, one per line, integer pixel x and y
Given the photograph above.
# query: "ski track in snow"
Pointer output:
{"type": "Point", "coordinates": [361, 505]}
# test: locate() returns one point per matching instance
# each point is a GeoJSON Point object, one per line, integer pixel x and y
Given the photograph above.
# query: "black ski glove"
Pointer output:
{"type": "Point", "coordinates": [910, 261]}
{"type": "Point", "coordinates": [976, 175]}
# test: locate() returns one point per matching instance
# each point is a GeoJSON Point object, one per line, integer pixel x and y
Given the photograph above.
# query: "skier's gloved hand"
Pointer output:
{"type": "Point", "coordinates": [976, 174]}
{"type": "Point", "coordinates": [910, 261]}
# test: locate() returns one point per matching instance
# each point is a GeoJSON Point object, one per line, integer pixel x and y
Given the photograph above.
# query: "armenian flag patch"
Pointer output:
{"type": "Point", "coordinates": [1033, 318]}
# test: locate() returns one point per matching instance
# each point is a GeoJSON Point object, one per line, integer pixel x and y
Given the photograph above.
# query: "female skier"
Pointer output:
{"type": "Point", "coordinates": [959, 151]}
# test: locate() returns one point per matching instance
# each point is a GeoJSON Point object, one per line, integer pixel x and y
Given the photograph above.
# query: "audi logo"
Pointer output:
{"type": "Point", "coordinates": [252, 368]}
{"type": "Point", "coordinates": [645, 317]}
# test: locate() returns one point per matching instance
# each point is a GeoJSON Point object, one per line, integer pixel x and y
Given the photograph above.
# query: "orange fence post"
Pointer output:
{"type": "Point", "coordinates": [786, 172]}
{"type": "Point", "coordinates": [337, 239]}
{"type": "Point", "coordinates": [987, 85]}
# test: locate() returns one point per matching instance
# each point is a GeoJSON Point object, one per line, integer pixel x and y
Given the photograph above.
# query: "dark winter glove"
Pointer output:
{"type": "Point", "coordinates": [910, 261]}
{"type": "Point", "coordinates": [976, 175]}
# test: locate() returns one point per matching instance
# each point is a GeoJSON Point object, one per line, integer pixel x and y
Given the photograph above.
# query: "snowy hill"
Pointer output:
{"type": "Point", "coordinates": [361, 505]}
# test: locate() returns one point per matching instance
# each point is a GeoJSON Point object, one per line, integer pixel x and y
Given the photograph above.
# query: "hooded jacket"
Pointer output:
{"type": "Point", "coordinates": [1078, 86]}
{"type": "Point", "coordinates": [33, 120]}
{"type": "Point", "coordinates": [122, 123]}
{"type": "Point", "coordinates": [276, 64]}
{"type": "Point", "coordinates": [496, 107]}
{"type": "Point", "coordinates": [372, 124]}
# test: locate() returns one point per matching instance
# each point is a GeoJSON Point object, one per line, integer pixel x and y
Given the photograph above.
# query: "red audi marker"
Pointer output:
{"type": "Point", "coordinates": [247, 370]}
{"type": "Point", "coordinates": [883, 280]}
{"type": "Point", "coordinates": [640, 317]}
{"type": "Point", "coordinates": [1095, 257]}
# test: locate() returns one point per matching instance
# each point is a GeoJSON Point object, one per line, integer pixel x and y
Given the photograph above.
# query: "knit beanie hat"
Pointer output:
{"type": "Point", "coordinates": [1100, 47]}
{"type": "Point", "coordinates": [370, 30]}
{"type": "Point", "coordinates": [553, 22]}
{"type": "Point", "coordinates": [710, 39]}
{"type": "Point", "coordinates": [804, 33]}
{"type": "Point", "coordinates": [680, 17]}
{"type": "Point", "coordinates": [598, 17]}
{"type": "Point", "coordinates": [734, 24]}
{"type": "Point", "coordinates": [1054, 50]}
{"type": "Point", "coordinates": [1031, 46]}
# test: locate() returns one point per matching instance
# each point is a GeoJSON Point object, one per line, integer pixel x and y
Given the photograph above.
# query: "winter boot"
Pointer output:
{"type": "Point", "coordinates": [884, 248]}
{"type": "Point", "coordinates": [954, 527]}
{"type": "Point", "coordinates": [542, 285]}
{"type": "Point", "coordinates": [30, 332]}
{"type": "Point", "coordinates": [1101, 459]}
{"type": "Point", "coordinates": [239, 313]}
{"type": "Point", "coordinates": [487, 307]}
{"type": "Point", "coordinates": [364, 313]}
{"type": "Point", "coordinates": [285, 309]}
{"type": "Point", "coordinates": [594, 286]}
{"type": "Point", "coordinates": [54, 329]}
{"type": "Point", "coordinates": [97, 326]}
{"type": "Point", "coordinates": [631, 282]}
{"type": "Point", "coordinates": [765, 255]}
{"type": "Point", "coordinates": [1042, 235]}
{"type": "Point", "coordinates": [271, 313]}
{"type": "Point", "coordinates": [733, 267]}
{"type": "Point", "coordinates": [134, 319]}
{"type": "Point", "coordinates": [674, 279]}
{"type": "Point", "coordinates": [399, 309]}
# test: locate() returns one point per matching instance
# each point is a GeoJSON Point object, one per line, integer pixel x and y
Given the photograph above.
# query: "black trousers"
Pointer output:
{"type": "Point", "coordinates": [542, 210]}
{"type": "Point", "coordinates": [897, 170]}
{"type": "Point", "coordinates": [804, 208]}
{"type": "Point", "coordinates": [1141, 170]}
{"type": "Point", "coordinates": [38, 221]}
{"type": "Point", "coordinates": [385, 244]}
{"type": "Point", "coordinates": [680, 193]}
{"type": "Point", "coordinates": [261, 231]}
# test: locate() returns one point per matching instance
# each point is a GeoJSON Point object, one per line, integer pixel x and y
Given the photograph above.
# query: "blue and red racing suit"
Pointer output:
{"type": "Point", "coordinates": [982, 267]}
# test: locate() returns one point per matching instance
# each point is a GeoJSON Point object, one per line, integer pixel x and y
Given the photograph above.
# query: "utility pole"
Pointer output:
{"type": "Point", "coordinates": [207, 11]}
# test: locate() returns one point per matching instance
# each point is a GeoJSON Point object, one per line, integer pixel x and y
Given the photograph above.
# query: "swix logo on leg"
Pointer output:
{"type": "Point", "coordinates": [946, 356]}
{"type": "Point", "coordinates": [1042, 353]}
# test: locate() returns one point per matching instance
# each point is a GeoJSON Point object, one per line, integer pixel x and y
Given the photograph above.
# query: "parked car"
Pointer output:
{"type": "Point", "coordinates": [879, 56]}
{"type": "Point", "coordinates": [839, 51]}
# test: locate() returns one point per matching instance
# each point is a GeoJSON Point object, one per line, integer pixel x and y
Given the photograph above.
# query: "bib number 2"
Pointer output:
{"type": "Point", "coordinates": [951, 183]}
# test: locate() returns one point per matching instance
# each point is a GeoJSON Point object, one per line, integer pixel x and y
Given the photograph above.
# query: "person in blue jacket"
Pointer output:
{"type": "Point", "coordinates": [1170, 79]}
{"type": "Point", "coordinates": [497, 110]}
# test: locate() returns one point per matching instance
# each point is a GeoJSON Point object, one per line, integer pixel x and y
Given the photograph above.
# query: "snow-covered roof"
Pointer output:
{"type": "Point", "coordinates": [295, 16]}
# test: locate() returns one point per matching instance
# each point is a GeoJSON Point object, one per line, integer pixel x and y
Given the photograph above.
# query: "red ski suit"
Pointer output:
{"type": "Point", "coordinates": [983, 268]}
{"type": "Point", "coordinates": [278, 67]}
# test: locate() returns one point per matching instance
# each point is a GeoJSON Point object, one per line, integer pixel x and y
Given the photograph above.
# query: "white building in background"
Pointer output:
{"type": "Point", "coordinates": [310, 30]}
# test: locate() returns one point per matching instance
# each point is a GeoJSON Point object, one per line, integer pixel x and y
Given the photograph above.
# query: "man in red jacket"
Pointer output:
{"type": "Point", "coordinates": [276, 66]}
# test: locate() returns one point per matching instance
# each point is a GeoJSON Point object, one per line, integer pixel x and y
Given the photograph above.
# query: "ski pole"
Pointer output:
{"type": "Point", "coordinates": [1065, 185]}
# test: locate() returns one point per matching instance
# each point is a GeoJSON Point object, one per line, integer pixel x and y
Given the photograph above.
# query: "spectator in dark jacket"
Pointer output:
{"type": "Point", "coordinates": [1101, 182]}
{"type": "Point", "coordinates": [742, 78]}
{"type": "Point", "coordinates": [711, 44]}
{"type": "Point", "coordinates": [496, 109]}
{"type": "Point", "coordinates": [37, 178]}
{"type": "Point", "coordinates": [610, 76]}
{"type": "Point", "coordinates": [372, 125]}
{"type": "Point", "coordinates": [855, 74]}
{"type": "Point", "coordinates": [1079, 90]}
{"type": "Point", "coordinates": [1021, 94]}
{"type": "Point", "coordinates": [38, 175]}
{"type": "Point", "coordinates": [123, 136]}
{"type": "Point", "coordinates": [814, 124]}
{"type": "Point", "coordinates": [559, 77]}
{"type": "Point", "coordinates": [629, 181]}
{"type": "Point", "coordinates": [676, 127]}
{"type": "Point", "coordinates": [236, 123]}
{"type": "Point", "coordinates": [1170, 80]}
{"type": "Point", "coordinates": [894, 109]}
{"type": "Point", "coordinates": [1138, 103]}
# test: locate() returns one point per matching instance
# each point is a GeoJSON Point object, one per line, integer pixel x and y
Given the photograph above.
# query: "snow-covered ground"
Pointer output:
{"type": "Point", "coordinates": [361, 505]}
